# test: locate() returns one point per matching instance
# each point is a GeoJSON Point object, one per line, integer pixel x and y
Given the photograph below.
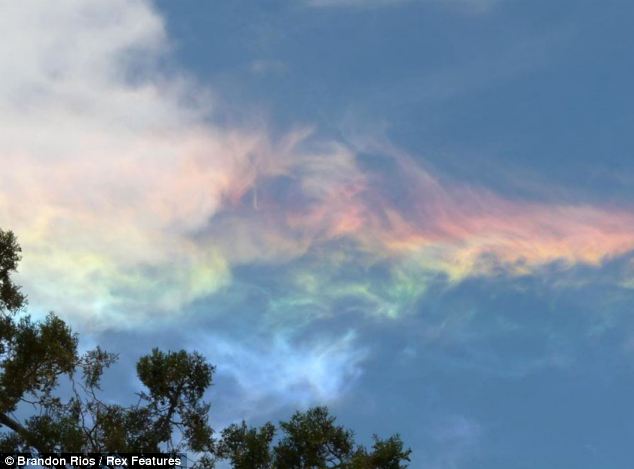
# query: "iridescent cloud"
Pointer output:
{"type": "Point", "coordinates": [130, 201]}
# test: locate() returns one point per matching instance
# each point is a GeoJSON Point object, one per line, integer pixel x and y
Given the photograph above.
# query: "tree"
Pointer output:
{"type": "Point", "coordinates": [170, 413]}
{"type": "Point", "coordinates": [310, 439]}
{"type": "Point", "coordinates": [34, 356]}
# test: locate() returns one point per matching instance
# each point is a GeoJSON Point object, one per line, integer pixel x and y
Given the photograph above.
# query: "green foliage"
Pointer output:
{"type": "Point", "coordinates": [176, 382]}
{"type": "Point", "coordinates": [247, 448]}
{"type": "Point", "coordinates": [11, 299]}
{"type": "Point", "coordinates": [385, 454]}
{"type": "Point", "coordinates": [313, 440]}
{"type": "Point", "coordinates": [35, 356]}
{"type": "Point", "coordinates": [93, 364]}
{"type": "Point", "coordinates": [309, 439]}
{"type": "Point", "coordinates": [175, 377]}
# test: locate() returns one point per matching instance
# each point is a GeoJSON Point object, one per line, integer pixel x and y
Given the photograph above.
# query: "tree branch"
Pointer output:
{"type": "Point", "coordinates": [22, 431]}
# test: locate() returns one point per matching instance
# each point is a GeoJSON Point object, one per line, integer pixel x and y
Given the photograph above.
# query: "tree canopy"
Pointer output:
{"type": "Point", "coordinates": [170, 414]}
{"type": "Point", "coordinates": [309, 439]}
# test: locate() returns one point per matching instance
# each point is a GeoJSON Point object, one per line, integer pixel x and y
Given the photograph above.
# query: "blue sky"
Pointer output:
{"type": "Point", "coordinates": [418, 213]}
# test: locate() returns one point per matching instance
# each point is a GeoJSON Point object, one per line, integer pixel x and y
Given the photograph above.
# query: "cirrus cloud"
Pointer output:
{"type": "Point", "coordinates": [132, 201]}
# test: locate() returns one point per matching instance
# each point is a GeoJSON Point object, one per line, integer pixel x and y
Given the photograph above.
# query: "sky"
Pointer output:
{"type": "Point", "coordinates": [419, 213]}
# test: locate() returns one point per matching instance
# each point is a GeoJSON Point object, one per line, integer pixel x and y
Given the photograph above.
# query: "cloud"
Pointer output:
{"type": "Point", "coordinates": [132, 201]}
{"type": "Point", "coordinates": [259, 372]}
{"type": "Point", "coordinates": [268, 374]}
{"type": "Point", "coordinates": [139, 210]}
{"type": "Point", "coordinates": [109, 163]}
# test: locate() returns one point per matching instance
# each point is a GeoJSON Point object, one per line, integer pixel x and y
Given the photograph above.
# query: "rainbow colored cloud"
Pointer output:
{"type": "Point", "coordinates": [131, 202]}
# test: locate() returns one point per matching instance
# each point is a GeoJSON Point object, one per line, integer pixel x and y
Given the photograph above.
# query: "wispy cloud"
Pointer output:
{"type": "Point", "coordinates": [136, 207]}
{"type": "Point", "coordinates": [132, 202]}
{"type": "Point", "coordinates": [108, 162]}
{"type": "Point", "coordinates": [270, 374]}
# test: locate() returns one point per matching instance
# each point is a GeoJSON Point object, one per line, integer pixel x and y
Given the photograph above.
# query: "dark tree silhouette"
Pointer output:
{"type": "Point", "coordinates": [309, 439]}
{"type": "Point", "coordinates": [170, 413]}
